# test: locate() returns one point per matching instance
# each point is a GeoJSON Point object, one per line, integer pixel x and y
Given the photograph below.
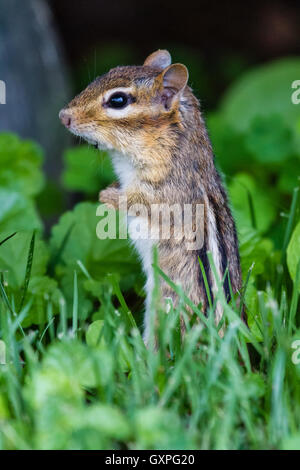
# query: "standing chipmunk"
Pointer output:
{"type": "Point", "coordinates": [150, 121]}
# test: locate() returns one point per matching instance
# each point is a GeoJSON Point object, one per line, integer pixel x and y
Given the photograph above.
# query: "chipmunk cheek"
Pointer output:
{"type": "Point", "coordinates": [112, 113]}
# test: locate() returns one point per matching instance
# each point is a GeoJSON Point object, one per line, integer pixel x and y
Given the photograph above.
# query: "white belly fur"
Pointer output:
{"type": "Point", "coordinates": [144, 246]}
{"type": "Point", "coordinates": [213, 247]}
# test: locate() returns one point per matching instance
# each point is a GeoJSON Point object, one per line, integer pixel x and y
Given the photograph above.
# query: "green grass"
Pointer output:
{"type": "Point", "coordinates": [79, 385]}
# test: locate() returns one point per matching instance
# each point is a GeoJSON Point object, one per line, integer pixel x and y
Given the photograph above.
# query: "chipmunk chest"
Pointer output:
{"type": "Point", "coordinates": [124, 170]}
{"type": "Point", "coordinates": [138, 229]}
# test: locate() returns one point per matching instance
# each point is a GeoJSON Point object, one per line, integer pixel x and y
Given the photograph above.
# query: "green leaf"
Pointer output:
{"type": "Point", "coordinates": [228, 144]}
{"type": "Point", "coordinates": [13, 258]}
{"type": "Point", "coordinates": [269, 139]}
{"type": "Point", "coordinates": [108, 420]}
{"type": "Point", "coordinates": [17, 213]}
{"type": "Point", "coordinates": [254, 249]}
{"type": "Point", "coordinates": [4, 410]}
{"type": "Point", "coordinates": [75, 366]}
{"type": "Point", "coordinates": [293, 252]}
{"type": "Point", "coordinates": [94, 335]}
{"type": "Point", "coordinates": [87, 169]}
{"type": "Point", "coordinates": [289, 176]}
{"type": "Point", "coordinates": [263, 204]}
{"type": "Point", "coordinates": [98, 256]}
{"type": "Point", "coordinates": [263, 91]}
{"type": "Point", "coordinates": [20, 165]}
{"type": "Point", "coordinates": [157, 428]}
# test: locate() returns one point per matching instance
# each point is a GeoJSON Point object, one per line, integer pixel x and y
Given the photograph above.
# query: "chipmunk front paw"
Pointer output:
{"type": "Point", "coordinates": [110, 196]}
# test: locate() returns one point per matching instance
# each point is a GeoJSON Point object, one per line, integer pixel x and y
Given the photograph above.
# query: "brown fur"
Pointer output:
{"type": "Point", "coordinates": [172, 155]}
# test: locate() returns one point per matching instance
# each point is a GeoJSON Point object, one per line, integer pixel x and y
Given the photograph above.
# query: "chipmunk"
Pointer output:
{"type": "Point", "coordinates": [150, 121]}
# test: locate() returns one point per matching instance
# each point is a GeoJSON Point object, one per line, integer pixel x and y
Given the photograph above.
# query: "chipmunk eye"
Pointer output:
{"type": "Point", "coordinates": [118, 100]}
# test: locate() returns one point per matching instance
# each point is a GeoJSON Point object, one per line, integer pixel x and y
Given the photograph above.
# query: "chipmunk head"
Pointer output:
{"type": "Point", "coordinates": [130, 107]}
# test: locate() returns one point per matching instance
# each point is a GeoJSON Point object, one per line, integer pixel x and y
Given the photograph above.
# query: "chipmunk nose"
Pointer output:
{"type": "Point", "coordinates": [65, 118]}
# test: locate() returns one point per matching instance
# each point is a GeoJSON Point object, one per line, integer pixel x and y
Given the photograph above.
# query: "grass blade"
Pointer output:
{"type": "Point", "coordinates": [61, 248]}
{"type": "Point", "coordinates": [75, 306]}
{"type": "Point", "coordinates": [290, 223]}
{"type": "Point", "coordinates": [130, 321]}
{"type": "Point", "coordinates": [4, 295]}
{"type": "Point", "coordinates": [295, 297]}
{"type": "Point", "coordinates": [28, 270]}
{"type": "Point", "coordinates": [205, 283]}
{"type": "Point", "coordinates": [251, 208]}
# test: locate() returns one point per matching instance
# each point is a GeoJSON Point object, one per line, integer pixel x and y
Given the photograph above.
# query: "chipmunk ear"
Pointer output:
{"type": "Point", "coordinates": [159, 59]}
{"type": "Point", "coordinates": [174, 78]}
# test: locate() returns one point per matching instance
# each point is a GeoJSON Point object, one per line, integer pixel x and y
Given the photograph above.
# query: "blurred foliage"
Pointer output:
{"type": "Point", "coordinates": [293, 254]}
{"type": "Point", "coordinates": [87, 376]}
{"type": "Point", "coordinates": [20, 165]}
{"type": "Point", "coordinates": [87, 170]}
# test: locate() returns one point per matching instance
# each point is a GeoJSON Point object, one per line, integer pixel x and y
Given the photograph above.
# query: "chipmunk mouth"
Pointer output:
{"type": "Point", "coordinates": [92, 142]}
{"type": "Point", "coordinates": [97, 144]}
{"type": "Point", "coordinates": [81, 131]}
{"type": "Point", "coordinates": [88, 139]}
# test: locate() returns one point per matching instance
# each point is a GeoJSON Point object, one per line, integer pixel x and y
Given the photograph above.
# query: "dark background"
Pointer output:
{"type": "Point", "coordinates": [247, 32]}
{"type": "Point", "coordinates": [261, 29]}
{"type": "Point", "coordinates": [51, 49]}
